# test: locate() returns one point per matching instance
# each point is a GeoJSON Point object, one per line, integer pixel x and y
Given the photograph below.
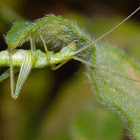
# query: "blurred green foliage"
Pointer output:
{"type": "Point", "coordinates": [68, 111]}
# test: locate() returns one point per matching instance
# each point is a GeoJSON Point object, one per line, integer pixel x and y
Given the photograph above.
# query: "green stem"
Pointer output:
{"type": "Point", "coordinates": [19, 56]}
{"type": "Point", "coordinates": [41, 61]}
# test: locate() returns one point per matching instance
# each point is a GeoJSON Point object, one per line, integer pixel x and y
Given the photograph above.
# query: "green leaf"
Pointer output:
{"type": "Point", "coordinates": [120, 93]}
{"type": "Point", "coordinates": [95, 122]}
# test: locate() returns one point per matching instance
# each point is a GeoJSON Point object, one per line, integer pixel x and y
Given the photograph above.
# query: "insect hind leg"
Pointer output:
{"type": "Point", "coordinates": [24, 72]}
{"type": "Point", "coordinates": [6, 74]}
{"type": "Point", "coordinates": [11, 72]}
{"type": "Point", "coordinates": [25, 69]}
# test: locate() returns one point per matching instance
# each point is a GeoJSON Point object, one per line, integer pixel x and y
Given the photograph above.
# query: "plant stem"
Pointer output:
{"type": "Point", "coordinates": [19, 56]}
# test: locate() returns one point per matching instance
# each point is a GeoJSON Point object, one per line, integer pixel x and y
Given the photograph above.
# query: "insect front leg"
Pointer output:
{"type": "Point", "coordinates": [55, 67]}
{"type": "Point", "coordinates": [64, 55]}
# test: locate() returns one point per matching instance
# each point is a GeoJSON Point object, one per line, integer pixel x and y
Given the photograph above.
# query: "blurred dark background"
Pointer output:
{"type": "Point", "coordinates": [34, 9]}
{"type": "Point", "coordinates": [42, 112]}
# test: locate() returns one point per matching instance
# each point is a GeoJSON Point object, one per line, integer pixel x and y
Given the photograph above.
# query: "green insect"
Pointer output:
{"type": "Point", "coordinates": [58, 32]}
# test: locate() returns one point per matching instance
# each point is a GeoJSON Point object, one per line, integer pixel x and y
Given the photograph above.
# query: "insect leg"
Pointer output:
{"type": "Point", "coordinates": [11, 72]}
{"type": "Point", "coordinates": [32, 45]}
{"type": "Point", "coordinates": [6, 74]}
{"type": "Point", "coordinates": [24, 72]}
{"type": "Point", "coordinates": [54, 67]}
{"type": "Point", "coordinates": [33, 48]}
{"type": "Point", "coordinates": [45, 47]}
{"type": "Point", "coordinates": [25, 69]}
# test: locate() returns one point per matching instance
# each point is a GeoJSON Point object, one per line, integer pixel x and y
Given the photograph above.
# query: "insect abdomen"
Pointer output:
{"type": "Point", "coordinates": [19, 34]}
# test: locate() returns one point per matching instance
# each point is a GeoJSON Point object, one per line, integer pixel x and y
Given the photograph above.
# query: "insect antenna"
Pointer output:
{"type": "Point", "coordinates": [98, 67]}
{"type": "Point", "coordinates": [109, 31]}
